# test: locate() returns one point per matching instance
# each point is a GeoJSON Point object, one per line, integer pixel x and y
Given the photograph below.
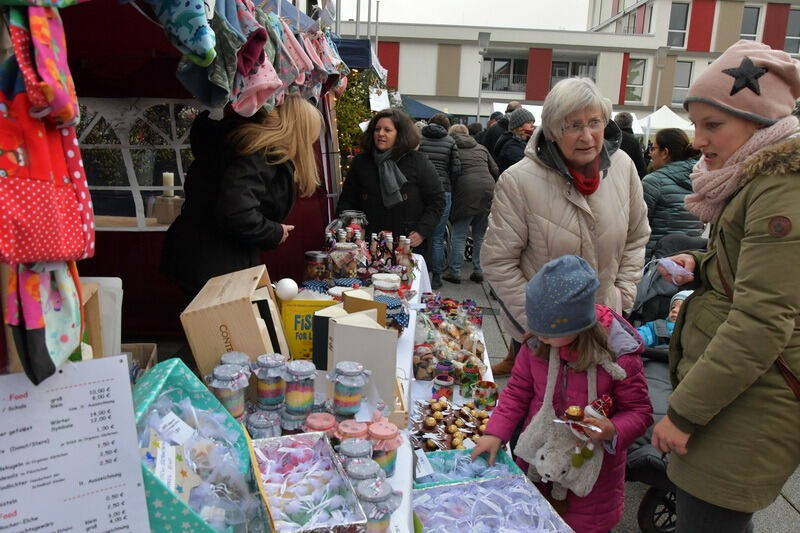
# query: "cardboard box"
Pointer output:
{"type": "Point", "coordinates": [234, 313]}
{"type": "Point", "coordinates": [146, 353]}
{"type": "Point", "coordinates": [357, 337]}
{"type": "Point", "coordinates": [297, 317]}
{"type": "Point", "coordinates": [361, 300]}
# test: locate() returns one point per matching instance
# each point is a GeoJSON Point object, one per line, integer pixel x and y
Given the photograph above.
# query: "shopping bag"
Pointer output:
{"type": "Point", "coordinates": [46, 206]}
{"type": "Point", "coordinates": [43, 310]}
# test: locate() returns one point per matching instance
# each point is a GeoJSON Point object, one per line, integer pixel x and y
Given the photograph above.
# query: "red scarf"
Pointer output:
{"type": "Point", "coordinates": [586, 180]}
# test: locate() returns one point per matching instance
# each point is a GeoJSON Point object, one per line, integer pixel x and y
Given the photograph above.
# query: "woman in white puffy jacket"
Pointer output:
{"type": "Point", "coordinates": [574, 192]}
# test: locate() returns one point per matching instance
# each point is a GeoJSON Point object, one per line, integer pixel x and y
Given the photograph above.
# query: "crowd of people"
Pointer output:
{"type": "Point", "coordinates": [563, 216]}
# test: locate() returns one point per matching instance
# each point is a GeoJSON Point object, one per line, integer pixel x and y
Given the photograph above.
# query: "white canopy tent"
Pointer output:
{"type": "Point", "coordinates": [665, 118]}
{"type": "Point", "coordinates": [537, 114]}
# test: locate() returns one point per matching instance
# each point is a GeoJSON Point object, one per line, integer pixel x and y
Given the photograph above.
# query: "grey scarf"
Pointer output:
{"type": "Point", "coordinates": [391, 178]}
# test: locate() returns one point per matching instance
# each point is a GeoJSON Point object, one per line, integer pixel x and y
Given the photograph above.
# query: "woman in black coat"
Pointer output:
{"type": "Point", "coordinates": [240, 187]}
{"type": "Point", "coordinates": [396, 187]}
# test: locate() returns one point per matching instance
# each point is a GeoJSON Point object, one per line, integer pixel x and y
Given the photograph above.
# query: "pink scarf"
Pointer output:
{"type": "Point", "coordinates": [712, 188]}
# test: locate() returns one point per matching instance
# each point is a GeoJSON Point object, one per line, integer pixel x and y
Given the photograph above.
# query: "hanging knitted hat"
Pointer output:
{"type": "Point", "coordinates": [750, 80]}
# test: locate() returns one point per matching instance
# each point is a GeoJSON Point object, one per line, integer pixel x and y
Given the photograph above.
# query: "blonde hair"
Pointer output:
{"type": "Point", "coordinates": [459, 129]}
{"type": "Point", "coordinates": [591, 345]}
{"type": "Point", "coordinates": [287, 133]}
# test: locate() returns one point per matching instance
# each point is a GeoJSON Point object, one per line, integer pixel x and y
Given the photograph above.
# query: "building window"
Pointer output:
{"type": "Point", "coordinates": [626, 24]}
{"type": "Point", "coordinates": [635, 85]}
{"type": "Point", "coordinates": [678, 18]}
{"type": "Point", "coordinates": [792, 44]}
{"type": "Point", "coordinates": [683, 76]}
{"type": "Point", "coordinates": [505, 74]}
{"type": "Point", "coordinates": [750, 23]}
{"type": "Point", "coordinates": [571, 68]}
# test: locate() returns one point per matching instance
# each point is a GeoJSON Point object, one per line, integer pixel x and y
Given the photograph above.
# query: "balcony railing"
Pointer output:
{"type": "Point", "coordinates": [505, 82]}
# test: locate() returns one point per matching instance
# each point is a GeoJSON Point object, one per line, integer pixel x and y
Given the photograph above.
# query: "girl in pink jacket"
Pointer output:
{"type": "Point", "coordinates": [586, 354]}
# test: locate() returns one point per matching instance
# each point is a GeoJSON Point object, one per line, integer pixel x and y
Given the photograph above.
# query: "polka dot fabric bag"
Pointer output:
{"type": "Point", "coordinates": [45, 207]}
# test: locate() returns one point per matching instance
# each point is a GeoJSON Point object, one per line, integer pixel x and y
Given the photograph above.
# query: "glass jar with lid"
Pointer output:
{"type": "Point", "coordinates": [299, 376]}
{"type": "Point", "coordinates": [349, 379]}
{"type": "Point", "coordinates": [269, 369]}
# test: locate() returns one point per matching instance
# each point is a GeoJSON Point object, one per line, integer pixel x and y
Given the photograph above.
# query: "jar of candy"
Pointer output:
{"type": "Point", "coordinates": [354, 449]}
{"type": "Point", "coordinates": [229, 383]}
{"type": "Point", "coordinates": [299, 376]}
{"type": "Point", "coordinates": [471, 374]}
{"type": "Point", "coordinates": [238, 359]}
{"type": "Point", "coordinates": [350, 429]}
{"type": "Point", "coordinates": [361, 469]}
{"type": "Point", "coordinates": [323, 422]}
{"type": "Point", "coordinates": [316, 265]}
{"type": "Point", "coordinates": [443, 387]}
{"type": "Point", "coordinates": [386, 439]}
{"type": "Point", "coordinates": [264, 424]}
{"type": "Point", "coordinates": [444, 367]}
{"type": "Point", "coordinates": [379, 501]}
{"type": "Point", "coordinates": [348, 380]}
{"type": "Point", "coordinates": [485, 393]}
{"type": "Point", "coordinates": [269, 369]}
{"type": "Point", "coordinates": [291, 423]}
{"type": "Point", "coordinates": [343, 260]}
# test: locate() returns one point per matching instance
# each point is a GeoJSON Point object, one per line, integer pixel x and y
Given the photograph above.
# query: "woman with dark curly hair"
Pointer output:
{"type": "Point", "coordinates": [395, 186]}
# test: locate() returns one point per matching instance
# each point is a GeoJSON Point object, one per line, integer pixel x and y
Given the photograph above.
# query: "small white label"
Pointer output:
{"type": "Point", "coordinates": [424, 467]}
{"type": "Point", "coordinates": [468, 444]}
{"type": "Point", "coordinates": [174, 429]}
{"type": "Point", "coordinates": [165, 465]}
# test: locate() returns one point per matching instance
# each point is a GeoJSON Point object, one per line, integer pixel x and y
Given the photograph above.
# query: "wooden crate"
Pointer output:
{"type": "Point", "coordinates": [399, 414]}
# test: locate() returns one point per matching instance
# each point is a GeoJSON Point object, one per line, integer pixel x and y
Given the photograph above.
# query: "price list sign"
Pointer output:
{"type": "Point", "coordinates": [69, 457]}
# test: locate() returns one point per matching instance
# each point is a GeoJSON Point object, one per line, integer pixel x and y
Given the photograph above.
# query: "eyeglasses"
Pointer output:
{"type": "Point", "coordinates": [576, 128]}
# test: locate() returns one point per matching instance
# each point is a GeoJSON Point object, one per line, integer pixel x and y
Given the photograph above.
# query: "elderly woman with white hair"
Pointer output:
{"type": "Point", "coordinates": [574, 193]}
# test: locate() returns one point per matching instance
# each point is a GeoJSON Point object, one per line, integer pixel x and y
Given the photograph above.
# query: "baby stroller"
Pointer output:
{"type": "Point", "coordinates": [646, 464]}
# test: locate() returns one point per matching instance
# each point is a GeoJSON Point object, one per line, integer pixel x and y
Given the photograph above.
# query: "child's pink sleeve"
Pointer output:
{"type": "Point", "coordinates": [515, 399]}
{"type": "Point", "coordinates": [634, 412]}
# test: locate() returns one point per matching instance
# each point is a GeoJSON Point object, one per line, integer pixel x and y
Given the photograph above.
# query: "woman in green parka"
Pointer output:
{"type": "Point", "coordinates": [733, 424]}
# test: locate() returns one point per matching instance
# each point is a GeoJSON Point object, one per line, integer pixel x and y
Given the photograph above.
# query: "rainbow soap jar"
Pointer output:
{"type": "Point", "coordinates": [228, 382]}
{"type": "Point", "coordinates": [269, 369]}
{"type": "Point", "coordinates": [299, 376]}
{"type": "Point", "coordinates": [349, 379]}
{"type": "Point", "coordinates": [379, 501]}
{"type": "Point", "coordinates": [385, 438]}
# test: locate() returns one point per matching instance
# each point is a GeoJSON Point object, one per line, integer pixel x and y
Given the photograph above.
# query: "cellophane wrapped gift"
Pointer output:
{"type": "Point", "coordinates": [491, 506]}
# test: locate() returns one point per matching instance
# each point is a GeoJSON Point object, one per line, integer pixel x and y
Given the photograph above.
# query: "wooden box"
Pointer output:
{"type": "Point", "coordinates": [234, 313]}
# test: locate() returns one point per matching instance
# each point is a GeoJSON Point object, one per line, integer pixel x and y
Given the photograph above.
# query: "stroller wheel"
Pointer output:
{"type": "Point", "coordinates": [657, 511]}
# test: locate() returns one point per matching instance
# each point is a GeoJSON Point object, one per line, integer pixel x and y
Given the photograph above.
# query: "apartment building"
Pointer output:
{"type": "Point", "coordinates": [641, 53]}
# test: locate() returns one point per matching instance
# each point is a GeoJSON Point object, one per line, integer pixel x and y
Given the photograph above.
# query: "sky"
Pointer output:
{"type": "Point", "coordinates": [538, 14]}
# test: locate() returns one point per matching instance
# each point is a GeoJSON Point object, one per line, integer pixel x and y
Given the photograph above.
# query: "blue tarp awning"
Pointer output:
{"type": "Point", "coordinates": [355, 53]}
{"type": "Point", "coordinates": [417, 109]}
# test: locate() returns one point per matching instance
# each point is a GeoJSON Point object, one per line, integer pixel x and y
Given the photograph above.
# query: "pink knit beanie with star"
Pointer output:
{"type": "Point", "coordinates": [750, 80]}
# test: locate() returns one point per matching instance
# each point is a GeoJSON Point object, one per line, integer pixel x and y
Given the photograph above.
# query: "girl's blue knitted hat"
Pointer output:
{"type": "Point", "coordinates": [560, 298]}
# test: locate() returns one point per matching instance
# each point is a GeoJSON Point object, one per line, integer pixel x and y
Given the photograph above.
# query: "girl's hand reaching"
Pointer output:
{"type": "Point", "coordinates": [607, 428]}
{"type": "Point", "coordinates": [487, 443]}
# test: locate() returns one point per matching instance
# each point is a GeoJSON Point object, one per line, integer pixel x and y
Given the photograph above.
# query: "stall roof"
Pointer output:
{"type": "Point", "coordinates": [417, 109]}
{"type": "Point", "coordinates": [356, 53]}
{"type": "Point", "coordinates": [665, 118]}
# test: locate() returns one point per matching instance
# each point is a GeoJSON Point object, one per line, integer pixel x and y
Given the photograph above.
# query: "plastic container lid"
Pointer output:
{"type": "Point", "coordinates": [385, 436]}
{"type": "Point", "coordinates": [263, 419]}
{"type": "Point", "coordinates": [299, 369]}
{"type": "Point", "coordinates": [363, 468]}
{"type": "Point", "coordinates": [228, 377]}
{"type": "Point", "coordinates": [350, 373]}
{"type": "Point", "coordinates": [350, 429]}
{"type": "Point", "coordinates": [377, 498]}
{"type": "Point", "coordinates": [269, 365]}
{"type": "Point", "coordinates": [356, 448]}
{"type": "Point", "coordinates": [320, 422]}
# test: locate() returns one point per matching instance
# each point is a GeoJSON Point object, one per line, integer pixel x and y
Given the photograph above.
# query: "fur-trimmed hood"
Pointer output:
{"type": "Point", "coordinates": [782, 157]}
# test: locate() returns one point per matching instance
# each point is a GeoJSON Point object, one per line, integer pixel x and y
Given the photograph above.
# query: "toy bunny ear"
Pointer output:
{"type": "Point", "coordinates": [614, 370]}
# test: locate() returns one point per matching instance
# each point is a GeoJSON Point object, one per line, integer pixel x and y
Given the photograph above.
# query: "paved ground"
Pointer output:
{"type": "Point", "coordinates": [783, 516]}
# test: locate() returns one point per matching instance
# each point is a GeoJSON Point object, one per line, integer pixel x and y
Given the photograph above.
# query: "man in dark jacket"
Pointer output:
{"type": "Point", "coordinates": [493, 118]}
{"type": "Point", "coordinates": [499, 127]}
{"type": "Point", "coordinates": [629, 144]}
{"type": "Point", "coordinates": [441, 149]}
